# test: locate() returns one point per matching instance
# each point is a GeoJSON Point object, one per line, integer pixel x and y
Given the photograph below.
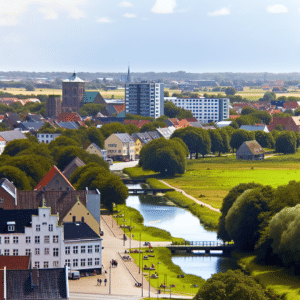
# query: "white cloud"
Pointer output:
{"type": "Point", "coordinates": [164, 6]}
{"type": "Point", "coordinates": [127, 15]}
{"type": "Point", "coordinates": [11, 11]}
{"type": "Point", "coordinates": [125, 4]}
{"type": "Point", "coordinates": [222, 12]}
{"type": "Point", "coordinates": [104, 20]}
{"type": "Point", "coordinates": [277, 9]}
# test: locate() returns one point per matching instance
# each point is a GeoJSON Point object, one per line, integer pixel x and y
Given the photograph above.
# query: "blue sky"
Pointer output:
{"type": "Point", "coordinates": [152, 35]}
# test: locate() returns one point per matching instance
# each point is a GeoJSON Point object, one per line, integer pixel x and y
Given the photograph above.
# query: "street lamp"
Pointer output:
{"type": "Point", "coordinates": [130, 236]}
{"type": "Point", "coordinates": [158, 277]}
{"type": "Point", "coordinates": [149, 282]}
{"type": "Point", "coordinates": [140, 254]}
{"type": "Point", "coordinates": [110, 277]}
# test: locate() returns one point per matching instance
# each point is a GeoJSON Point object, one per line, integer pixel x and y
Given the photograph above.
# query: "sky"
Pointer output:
{"type": "Point", "coordinates": [150, 35]}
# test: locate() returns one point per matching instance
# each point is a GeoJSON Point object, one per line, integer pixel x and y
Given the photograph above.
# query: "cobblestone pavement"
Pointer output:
{"type": "Point", "coordinates": [123, 277]}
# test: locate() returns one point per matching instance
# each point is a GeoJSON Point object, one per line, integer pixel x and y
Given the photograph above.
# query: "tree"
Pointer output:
{"type": "Point", "coordinates": [18, 177]}
{"type": "Point", "coordinates": [172, 111]}
{"type": "Point", "coordinates": [164, 156]}
{"type": "Point", "coordinates": [131, 128]}
{"type": "Point", "coordinates": [263, 116]}
{"type": "Point", "coordinates": [166, 94]}
{"type": "Point", "coordinates": [216, 141]}
{"type": "Point", "coordinates": [279, 127]}
{"type": "Point", "coordinates": [230, 91]}
{"type": "Point", "coordinates": [109, 129]}
{"type": "Point", "coordinates": [90, 109]}
{"type": "Point", "coordinates": [182, 143]}
{"type": "Point", "coordinates": [286, 143]}
{"type": "Point", "coordinates": [16, 146]}
{"type": "Point", "coordinates": [233, 285]}
{"type": "Point", "coordinates": [239, 137]}
{"type": "Point", "coordinates": [225, 142]}
{"type": "Point", "coordinates": [48, 128]}
{"type": "Point", "coordinates": [95, 136]}
{"type": "Point", "coordinates": [269, 96]}
{"type": "Point", "coordinates": [243, 219]}
{"type": "Point", "coordinates": [248, 110]}
{"type": "Point", "coordinates": [265, 139]}
{"type": "Point", "coordinates": [153, 125]}
{"type": "Point", "coordinates": [284, 231]}
{"type": "Point", "coordinates": [228, 201]}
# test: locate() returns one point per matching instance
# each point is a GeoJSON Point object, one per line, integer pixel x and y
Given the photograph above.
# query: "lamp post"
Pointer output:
{"type": "Point", "coordinates": [142, 277]}
{"type": "Point", "coordinates": [149, 282]}
{"type": "Point", "coordinates": [140, 254]}
{"type": "Point", "coordinates": [158, 277]}
{"type": "Point", "coordinates": [130, 236]}
{"type": "Point", "coordinates": [110, 277]}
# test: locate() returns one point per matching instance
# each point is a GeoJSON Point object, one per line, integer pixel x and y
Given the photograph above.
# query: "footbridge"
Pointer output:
{"type": "Point", "coordinates": [148, 191]}
{"type": "Point", "coordinates": [206, 246]}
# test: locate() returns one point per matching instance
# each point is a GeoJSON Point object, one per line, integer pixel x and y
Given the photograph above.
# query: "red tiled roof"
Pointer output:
{"type": "Point", "coordinates": [49, 176]}
{"type": "Point", "coordinates": [233, 117]}
{"type": "Point", "coordinates": [2, 139]}
{"type": "Point", "coordinates": [191, 119]}
{"type": "Point", "coordinates": [278, 121]}
{"type": "Point", "coordinates": [291, 105]}
{"type": "Point", "coordinates": [119, 107]}
{"type": "Point", "coordinates": [138, 123]}
{"type": "Point", "coordinates": [68, 117]}
{"type": "Point", "coordinates": [15, 262]}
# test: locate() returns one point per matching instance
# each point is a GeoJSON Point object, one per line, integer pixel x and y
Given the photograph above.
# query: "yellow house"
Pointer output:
{"type": "Point", "coordinates": [95, 149]}
{"type": "Point", "coordinates": [138, 147]}
{"type": "Point", "coordinates": [120, 146]}
{"type": "Point", "coordinates": [77, 212]}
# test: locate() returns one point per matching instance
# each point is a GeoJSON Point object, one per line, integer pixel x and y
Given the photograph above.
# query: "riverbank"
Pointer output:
{"type": "Point", "coordinates": [209, 218]}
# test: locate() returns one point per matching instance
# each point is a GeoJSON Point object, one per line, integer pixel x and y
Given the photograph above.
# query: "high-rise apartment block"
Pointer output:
{"type": "Point", "coordinates": [73, 90]}
{"type": "Point", "coordinates": [203, 109]}
{"type": "Point", "coordinates": [144, 98]}
{"type": "Point", "coordinates": [53, 106]}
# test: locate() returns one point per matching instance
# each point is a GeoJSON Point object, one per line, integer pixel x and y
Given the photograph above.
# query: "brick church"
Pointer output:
{"type": "Point", "coordinates": [73, 90]}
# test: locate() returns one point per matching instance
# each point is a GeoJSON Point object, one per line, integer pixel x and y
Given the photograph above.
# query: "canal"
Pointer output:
{"type": "Point", "coordinates": [160, 213]}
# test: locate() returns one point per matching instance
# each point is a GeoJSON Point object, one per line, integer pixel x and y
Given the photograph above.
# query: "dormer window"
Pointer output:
{"type": "Point", "coordinates": [11, 226]}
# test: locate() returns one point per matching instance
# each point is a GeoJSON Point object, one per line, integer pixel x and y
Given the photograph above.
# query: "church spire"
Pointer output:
{"type": "Point", "coordinates": [128, 75]}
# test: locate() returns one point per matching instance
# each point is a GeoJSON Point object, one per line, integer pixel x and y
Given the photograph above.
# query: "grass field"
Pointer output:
{"type": "Point", "coordinates": [272, 277]}
{"type": "Point", "coordinates": [168, 272]}
{"type": "Point", "coordinates": [118, 94]}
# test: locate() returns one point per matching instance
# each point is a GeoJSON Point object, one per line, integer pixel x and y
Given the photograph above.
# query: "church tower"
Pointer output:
{"type": "Point", "coordinates": [128, 75]}
{"type": "Point", "coordinates": [73, 90]}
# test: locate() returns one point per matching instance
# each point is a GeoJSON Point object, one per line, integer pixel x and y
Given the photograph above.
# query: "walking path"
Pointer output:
{"type": "Point", "coordinates": [191, 197]}
{"type": "Point", "coordinates": [123, 277]}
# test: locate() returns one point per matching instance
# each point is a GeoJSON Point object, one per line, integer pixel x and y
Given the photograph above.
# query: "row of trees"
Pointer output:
{"type": "Point", "coordinates": [26, 162]}
{"type": "Point", "coordinates": [265, 220]}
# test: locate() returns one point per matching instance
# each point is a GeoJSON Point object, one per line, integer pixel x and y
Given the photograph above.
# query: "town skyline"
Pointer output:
{"type": "Point", "coordinates": [156, 35]}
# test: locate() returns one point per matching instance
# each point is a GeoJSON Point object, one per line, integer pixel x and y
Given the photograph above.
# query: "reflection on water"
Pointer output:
{"type": "Point", "coordinates": [181, 223]}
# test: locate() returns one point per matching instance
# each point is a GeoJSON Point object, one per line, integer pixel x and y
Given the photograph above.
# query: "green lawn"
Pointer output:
{"type": "Point", "coordinates": [167, 273]}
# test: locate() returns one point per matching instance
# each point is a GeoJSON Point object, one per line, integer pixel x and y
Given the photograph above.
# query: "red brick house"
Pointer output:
{"type": "Point", "coordinates": [291, 105]}
{"type": "Point", "coordinates": [69, 117]}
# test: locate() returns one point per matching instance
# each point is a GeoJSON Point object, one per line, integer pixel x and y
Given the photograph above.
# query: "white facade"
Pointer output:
{"type": "Point", "coordinates": [146, 99]}
{"type": "Point", "coordinates": [44, 241]}
{"type": "Point", "coordinates": [47, 137]}
{"type": "Point", "coordinates": [2, 145]}
{"type": "Point", "coordinates": [203, 109]}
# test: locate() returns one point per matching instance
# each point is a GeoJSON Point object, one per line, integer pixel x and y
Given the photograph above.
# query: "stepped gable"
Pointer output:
{"type": "Point", "coordinates": [72, 166]}
{"type": "Point", "coordinates": [54, 180]}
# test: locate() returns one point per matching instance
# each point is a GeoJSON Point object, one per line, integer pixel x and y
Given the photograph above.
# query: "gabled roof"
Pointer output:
{"type": "Point", "coordinates": [122, 114]}
{"type": "Point", "coordinates": [154, 135]}
{"type": "Point", "coordinates": [68, 116]}
{"type": "Point", "coordinates": [68, 125]}
{"type": "Point", "coordinates": [196, 124]}
{"type": "Point", "coordinates": [34, 126]}
{"type": "Point", "coordinates": [15, 262]}
{"type": "Point", "coordinates": [124, 137]}
{"type": "Point", "coordinates": [12, 135]}
{"type": "Point", "coordinates": [21, 217]}
{"type": "Point", "coordinates": [296, 120]}
{"type": "Point", "coordinates": [138, 123]}
{"type": "Point", "coordinates": [49, 176]}
{"type": "Point", "coordinates": [254, 147]}
{"type": "Point", "coordinates": [89, 97]}
{"type": "Point", "coordinates": [119, 107]}
{"type": "Point", "coordinates": [74, 164]}
{"type": "Point", "coordinates": [79, 230]}
{"type": "Point", "coordinates": [73, 78]}
{"type": "Point", "coordinates": [255, 127]}
{"type": "Point", "coordinates": [96, 146]}
{"type": "Point", "coordinates": [8, 186]}
{"type": "Point", "coordinates": [164, 132]}
{"type": "Point", "coordinates": [33, 117]}
{"type": "Point", "coordinates": [144, 137]}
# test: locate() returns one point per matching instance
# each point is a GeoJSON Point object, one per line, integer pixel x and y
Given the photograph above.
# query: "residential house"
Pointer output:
{"type": "Point", "coordinates": [250, 150]}
{"type": "Point", "coordinates": [68, 125]}
{"type": "Point", "coordinates": [291, 105]}
{"type": "Point", "coordinates": [54, 180]}
{"type": "Point", "coordinates": [138, 146]}
{"type": "Point", "coordinates": [77, 212]}
{"type": "Point", "coordinates": [95, 149]}
{"type": "Point", "coordinates": [154, 135]}
{"type": "Point", "coordinates": [12, 120]}
{"type": "Point", "coordinates": [33, 118]}
{"type": "Point", "coordinates": [144, 137]}
{"type": "Point", "coordinates": [174, 122]}
{"type": "Point", "coordinates": [36, 232]}
{"type": "Point", "coordinates": [2, 144]}
{"type": "Point", "coordinates": [72, 166]}
{"type": "Point", "coordinates": [261, 127]}
{"type": "Point", "coordinates": [165, 132]}
{"type": "Point", "coordinates": [47, 137]}
{"type": "Point", "coordinates": [30, 126]}
{"type": "Point", "coordinates": [12, 135]}
{"type": "Point", "coordinates": [290, 123]}
{"type": "Point", "coordinates": [68, 117]}
{"type": "Point", "coordinates": [223, 124]}
{"type": "Point", "coordinates": [120, 146]}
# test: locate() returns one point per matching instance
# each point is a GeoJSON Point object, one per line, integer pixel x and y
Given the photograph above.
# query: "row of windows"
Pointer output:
{"type": "Point", "coordinates": [37, 251]}
{"type": "Point", "coordinates": [82, 249]}
{"type": "Point", "coordinates": [37, 239]}
{"type": "Point", "coordinates": [112, 145]}
{"type": "Point", "coordinates": [46, 264]}
{"type": "Point", "coordinates": [83, 262]}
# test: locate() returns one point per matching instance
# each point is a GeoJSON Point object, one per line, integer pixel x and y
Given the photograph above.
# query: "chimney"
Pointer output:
{"type": "Point", "coordinates": [35, 278]}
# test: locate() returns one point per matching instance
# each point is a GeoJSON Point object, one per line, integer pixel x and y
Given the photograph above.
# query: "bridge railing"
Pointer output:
{"type": "Point", "coordinates": [202, 244]}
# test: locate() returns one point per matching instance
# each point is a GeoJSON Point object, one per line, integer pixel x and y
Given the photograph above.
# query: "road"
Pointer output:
{"type": "Point", "coordinates": [120, 166]}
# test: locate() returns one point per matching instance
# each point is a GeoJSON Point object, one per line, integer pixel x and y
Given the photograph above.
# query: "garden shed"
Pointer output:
{"type": "Point", "coordinates": [250, 150]}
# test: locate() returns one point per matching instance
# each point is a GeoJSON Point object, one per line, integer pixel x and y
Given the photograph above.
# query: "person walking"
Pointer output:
{"type": "Point", "coordinates": [100, 280]}
{"type": "Point", "coordinates": [105, 281]}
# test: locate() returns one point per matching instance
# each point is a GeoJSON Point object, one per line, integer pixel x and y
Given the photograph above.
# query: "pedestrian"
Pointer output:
{"type": "Point", "coordinates": [100, 280]}
{"type": "Point", "coordinates": [97, 281]}
{"type": "Point", "coordinates": [105, 281]}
